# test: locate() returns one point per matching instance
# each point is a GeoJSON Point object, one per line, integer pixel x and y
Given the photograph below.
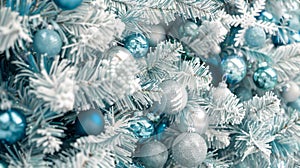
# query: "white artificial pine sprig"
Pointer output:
{"type": "Point", "coordinates": [56, 88]}
{"type": "Point", "coordinates": [247, 19]}
{"type": "Point", "coordinates": [12, 31]}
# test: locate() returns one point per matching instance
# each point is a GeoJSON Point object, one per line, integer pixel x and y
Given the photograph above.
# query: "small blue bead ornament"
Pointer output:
{"type": "Point", "coordinates": [137, 44]}
{"type": "Point", "coordinates": [265, 77]}
{"type": "Point", "coordinates": [48, 42]}
{"type": "Point", "coordinates": [12, 126]}
{"type": "Point", "coordinates": [142, 127]}
{"type": "Point", "coordinates": [68, 4]}
{"type": "Point", "coordinates": [234, 68]}
{"type": "Point", "coordinates": [255, 37]}
{"type": "Point", "coordinates": [89, 122]}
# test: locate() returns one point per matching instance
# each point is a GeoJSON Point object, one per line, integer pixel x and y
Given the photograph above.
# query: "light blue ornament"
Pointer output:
{"type": "Point", "coordinates": [244, 94]}
{"type": "Point", "coordinates": [295, 105]}
{"type": "Point", "coordinates": [90, 122]}
{"type": "Point", "coordinates": [266, 16]}
{"type": "Point", "coordinates": [188, 29]}
{"type": "Point", "coordinates": [48, 42]}
{"type": "Point", "coordinates": [142, 127]}
{"type": "Point", "coordinates": [137, 44]}
{"type": "Point", "coordinates": [281, 38]}
{"type": "Point", "coordinates": [68, 4]}
{"type": "Point", "coordinates": [12, 126]}
{"type": "Point", "coordinates": [234, 68]}
{"type": "Point", "coordinates": [265, 77]}
{"type": "Point", "coordinates": [255, 37]}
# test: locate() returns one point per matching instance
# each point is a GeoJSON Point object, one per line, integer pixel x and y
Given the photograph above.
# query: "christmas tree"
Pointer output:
{"type": "Point", "coordinates": [150, 83]}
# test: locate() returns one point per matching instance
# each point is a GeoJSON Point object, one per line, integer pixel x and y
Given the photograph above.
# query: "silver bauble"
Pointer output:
{"type": "Point", "coordinates": [290, 92]}
{"type": "Point", "coordinates": [158, 106]}
{"type": "Point", "coordinates": [193, 119]}
{"type": "Point", "coordinates": [158, 34]}
{"type": "Point", "coordinates": [176, 96]}
{"type": "Point", "coordinates": [221, 92]}
{"type": "Point", "coordinates": [189, 149]}
{"type": "Point", "coordinates": [117, 55]}
{"type": "Point", "coordinates": [153, 154]}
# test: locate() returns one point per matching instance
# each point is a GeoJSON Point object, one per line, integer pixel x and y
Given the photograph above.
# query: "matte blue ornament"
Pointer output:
{"type": "Point", "coordinates": [68, 4]}
{"type": "Point", "coordinates": [137, 44]}
{"type": "Point", "coordinates": [12, 126]}
{"type": "Point", "coordinates": [281, 38]}
{"type": "Point", "coordinates": [265, 77]}
{"type": "Point", "coordinates": [295, 105]}
{"type": "Point", "coordinates": [255, 37]}
{"type": "Point", "coordinates": [90, 122]}
{"type": "Point", "coordinates": [48, 42]}
{"type": "Point", "coordinates": [142, 127]}
{"type": "Point", "coordinates": [234, 68]}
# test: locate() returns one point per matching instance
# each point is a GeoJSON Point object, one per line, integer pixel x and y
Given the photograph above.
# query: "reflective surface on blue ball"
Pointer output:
{"type": "Point", "coordinates": [234, 68]}
{"type": "Point", "coordinates": [142, 127]}
{"type": "Point", "coordinates": [188, 29]}
{"type": "Point", "coordinates": [137, 44]}
{"type": "Point", "coordinates": [68, 4]}
{"type": "Point", "coordinates": [90, 122]}
{"type": "Point", "coordinates": [12, 126]}
{"type": "Point", "coordinates": [281, 38]}
{"type": "Point", "coordinates": [265, 78]}
{"type": "Point", "coordinates": [295, 105]}
{"type": "Point", "coordinates": [48, 42]}
{"type": "Point", "coordinates": [255, 37]}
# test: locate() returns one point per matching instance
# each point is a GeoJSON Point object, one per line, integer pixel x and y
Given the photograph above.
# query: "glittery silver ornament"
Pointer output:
{"type": "Point", "coordinates": [290, 92]}
{"type": "Point", "coordinates": [153, 154]}
{"type": "Point", "coordinates": [189, 149]}
{"type": "Point", "coordinates": [221, 92]}
{"type": "Point", "coordinates": [176, 96]}
{"type": "Point", "coordinates": [193, 119]}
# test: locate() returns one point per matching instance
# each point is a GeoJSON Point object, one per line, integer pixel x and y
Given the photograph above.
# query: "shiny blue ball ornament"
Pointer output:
{"type": "Point", "coordinates": [68, 4]}
{"type": "Point", "coordinates": [12, 126]}
{"type": "Point", "coordinates": [255, 37]}
{"type": "Point", "coordinates": [137, 44]}
{"type": "Point", "coordinates": [234, 68]}
{"type": "Point", "coordinates": [142, 127]}
{"type": "Point", "coordinates": [89, 122]}
{"type": "Point", "coordinates": [266, 16]}
{"type": "Point", "coordinates": [48, 42]}
{"type": "Point", "coordinates": [265, 77]}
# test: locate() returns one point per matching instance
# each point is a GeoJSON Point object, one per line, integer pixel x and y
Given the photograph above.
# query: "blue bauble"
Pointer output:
{"type": "Point", "coordinates": [295, 105]}
{"type": "Point", "coordinates": [234, 68]}
{"type": "Point", "coordinates": [137, 44]}
{"type": "Point", "coordinates": [90, 122]}
{"type": "Point", "coordinates": [281, 38]}
{"type": "Point", "coordinates": [48, 42]}
{"type": "Point", "coordinates": [68, 4]}
{"type": "Point", "coordinates": [255, 37]}
{"type": "Point", "coordinates": [12, 126]}
{"type": "Point", "coordinates": [244, 94]}
{"type": "Point", "coordinates": [142, 127]}
{"type": "Point", "coordinates": [266, 16]}
{"type": "Point", "coordinates": [265, 78]}
{"type": "Point", "coordinates": [188, 29]}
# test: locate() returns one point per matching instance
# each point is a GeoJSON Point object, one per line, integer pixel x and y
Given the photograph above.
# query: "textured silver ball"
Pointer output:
{"type": "Point", "coordinates": [158, 107]}
{"type": "Point", "coordinates": [153, 154]}
{"type": "Point", "coordinates": [176, 96]}
{"type": "Point", "coordinates": [193, 119]}
{"type": "Point", "coordinates": [221, 92]}
{"type": "Point", "coordinates": [189, 149]}
{"type": "Point", "coordinates": [118, 54]}
{"type": "Point", "coordinates": [158, 34]}
{"type": "Point", "coordinates": [291, 92]}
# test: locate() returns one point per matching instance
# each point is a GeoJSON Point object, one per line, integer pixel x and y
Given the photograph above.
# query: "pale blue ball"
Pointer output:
{"type": "Point", "coordinates": [295, 105]}
{"type": "Point", "coordinates": [90, 122]}
{"type": "Point", "coordinates": [234, 68]}
{"type": "Point", "coordinates": [142, 127]}
{"type": "Point", "coordinates": [12, 126]}
{"type": "Point", "coordinates": [68, 4]}
{"type": "Point", "coordinates": [48, 42]}
{"type": "Point", "coordinates": [265, 78]}
{"type": "Point", "coordinates": [137, 44]}
{"type": "Point", "coordinates": [255, 37]}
